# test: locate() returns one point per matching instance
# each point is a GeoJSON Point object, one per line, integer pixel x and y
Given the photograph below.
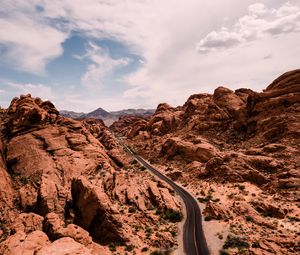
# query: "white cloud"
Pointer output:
{"type": "Point", "coordinates": [37, 90]}
{"type": "Point", "coordinates": [164, 34]}
{"type": "Point", "coordinates": [260, 22]}
{"type": "Point", "coordinates": [102, 65]}
{"type": "Point", "coordinates": [257, 9]}
{"type": "Point", "coordinates": [29, 42]}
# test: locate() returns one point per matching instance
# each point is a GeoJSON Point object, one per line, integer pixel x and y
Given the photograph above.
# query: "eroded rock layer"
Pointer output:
{"type": "Point", "coordinates": [67, 187]}
{"type": "Point", "coordinates": [238, 152]}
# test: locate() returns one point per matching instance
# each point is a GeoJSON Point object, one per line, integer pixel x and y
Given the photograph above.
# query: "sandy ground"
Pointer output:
{"type": "Point", "coordinates": [215, 233]}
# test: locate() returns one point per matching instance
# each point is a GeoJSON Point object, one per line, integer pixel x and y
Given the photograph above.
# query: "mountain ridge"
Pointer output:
{"type": "Point", "coordinates": [108, 117]}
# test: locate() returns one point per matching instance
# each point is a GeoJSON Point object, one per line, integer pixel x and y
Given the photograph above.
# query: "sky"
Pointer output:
{"type": "Point", "coordinates": [85, 54]}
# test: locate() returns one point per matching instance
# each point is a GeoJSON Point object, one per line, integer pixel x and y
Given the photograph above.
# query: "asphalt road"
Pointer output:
{"type": "Point", "coordinates": [194, 242]}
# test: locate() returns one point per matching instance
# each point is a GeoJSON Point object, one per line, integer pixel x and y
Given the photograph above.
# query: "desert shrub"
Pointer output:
{"type": "Point", "coordinates": [156, 253]}
{"type": "Point", "coordinates": [131, 209]}
{"type": "Point", "coordinates": [205, 199]}
{"type": "Point", "coordinates": [171, 215]}
{"type": "Point", "coordinates": [173, 233]}
{"type": "Point", "coordinates": [241, 187]}
{"type": "Point", "coordinates": [207, 218]}
{"type": "Point", "coordinates": [220, 236]}
{"type": "Point", "coordinates": [145, 249]}
{"type": "Point", "coordinates": [112, 247]}
{"type": "Point", "coordinates": [224, 252]}
{"type": "Point", "coordinates": [235, 242]}
{"type": "Point", "coordinates": [293, 218]}
{"type": "Point", "coordinates": [248, 218]}
{"type": "Point", "coordinates": [133, 162]}
{"type": "Point", "coordinates": [129, 247]}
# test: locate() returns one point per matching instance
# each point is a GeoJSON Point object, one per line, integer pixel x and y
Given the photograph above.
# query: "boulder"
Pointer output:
{"type": "Point", "coordinates": [269, 208]}
{"type": "Point", "coordinates": [55, 228]}
{"type": "Point", "coordinates": [52, 196]}
{"type": "Point", "coordinates": [28, 197]}
{"type": "Point", "coordinates": [64, 246]}
{"type": "Point", "coordinates": [217, 211]}
{"type": "Point", "coordinates": [28, 222]}
{"type": "Point", "coordinates": [26, 113]}
{"type": "Point", "coordinates": [176, 147]}
{"type": "Point", "coordinates": [99, 219]}
{"type": "Point", "coordinates": [22, 244]}
{"type": "Point", "coordinates": [226, 98]}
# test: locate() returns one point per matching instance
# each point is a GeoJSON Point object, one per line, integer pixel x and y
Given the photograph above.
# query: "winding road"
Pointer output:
{"type": "Point", "coordinates": [194, 242]}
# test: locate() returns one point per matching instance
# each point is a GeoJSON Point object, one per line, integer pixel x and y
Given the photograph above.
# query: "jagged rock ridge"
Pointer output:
{"type": "Point", "coordinates": [108, 117]}
{"type": "Point", "coordinates": [68, 183]}
{"type": "Point", "coordinates": [240, 146]}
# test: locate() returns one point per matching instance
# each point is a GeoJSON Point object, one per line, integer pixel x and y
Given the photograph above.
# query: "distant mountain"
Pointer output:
{"type": "Point", "coordinates": [97, 114]}
{"type": "Point", "coordinates": [134, 112]}
{"type": "Point", "coordinates": [71, 114]}
{"type": "Point", "coordinates": [107, 117]}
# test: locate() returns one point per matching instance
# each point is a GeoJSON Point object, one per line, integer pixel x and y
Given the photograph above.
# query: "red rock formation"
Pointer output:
{"type": "Point", "coordinates": [187, 150]}
{"type": "Point", "coordinates": [66, 171]}
{"type": "Point", "coordinates": [229, 138]}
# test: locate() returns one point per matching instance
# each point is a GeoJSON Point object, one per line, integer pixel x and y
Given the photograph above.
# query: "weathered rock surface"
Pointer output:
{"type": "Point", "coordinates": [64, 246]}
{"type": "Point", "coordinates": [238, 139]}
{"type": "Point", "coordinates": [225, 98]}
{"type": "Point", "coordinates": [62, 176]}
{"type": "Point", "coordinates": [28, 222]}
{"type": "Point", "coordinates": [99, 218]}
{"type": "Point", "coordinates": [187, 150]}
{"type": "Point", "coordinates": [24, 244]}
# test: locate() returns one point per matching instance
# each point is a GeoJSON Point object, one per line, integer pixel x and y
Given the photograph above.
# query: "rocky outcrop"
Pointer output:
{"type": "Point", "coordinates": [225, 98]}
{"type": "Point", "coordinates": [273, 114]}
{"type": "Point", "coordinates": [64, 246]}
{"type": "Point", "coordinates": [216, 211]}
{"type": "Point", "coordinates": [104, 135]}
{"type": "Point", "coordinates": [187, 150]}
{"type": "Point", "coordinates": [58, 175]}
{"type": "Point", "coordinates": [239, 150]}
{"type": "Point", "coordinates": [28, 113]}
{"type": "Point", "coordinates": [99, 219]}
{"type": "Point", "coordinates": [27, 244]}
{"type": "Point", "coordinates": [6, 189]}
{"type": "Point", "coordinates": [28, 222]}
{"type": "Point", "coordinates": [126, 123]}
{"type": "Point", "coordinates": [55, 228]}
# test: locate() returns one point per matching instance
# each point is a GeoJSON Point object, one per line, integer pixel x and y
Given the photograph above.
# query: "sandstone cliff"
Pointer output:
{"type": "Point", "coordinates": [67, 187]}
{"type": "Point", "coordinates": [238, 152]}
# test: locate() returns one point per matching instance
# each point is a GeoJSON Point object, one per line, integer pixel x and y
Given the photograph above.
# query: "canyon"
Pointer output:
{"type": "Point", "coordinates": [68, 186]}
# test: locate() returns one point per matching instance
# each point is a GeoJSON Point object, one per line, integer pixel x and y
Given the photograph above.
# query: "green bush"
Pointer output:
{"type": "Point", "coordinates": [208, 218]}
{"type": "Point", "coordinates": [156, 253]}
{"type": "Point", "coordinates": [131, 209]}
{"type": "Point", "coordinates": [205, 199]}
{"type": "Point", "coordinates": [133, 162]}
{"type": "Point", "coordinates": [145, 249]}
{"type": "Point", "coordinates": [129, 247]}
{"type": "Point", "coordinates": [171, 215]}
{"type": "Point", "coordinates": [112, 247]}
{"type": "Point", "coordinates": [224, 252]}
{"type": "Point", "coordinates": [173, 233]}
{"type": "Point", "coordinates": [235, 242]}
{"type": "Point", "coordinates": [293, 218]}
{"type": "Point", "coordinates": [248, 218]}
